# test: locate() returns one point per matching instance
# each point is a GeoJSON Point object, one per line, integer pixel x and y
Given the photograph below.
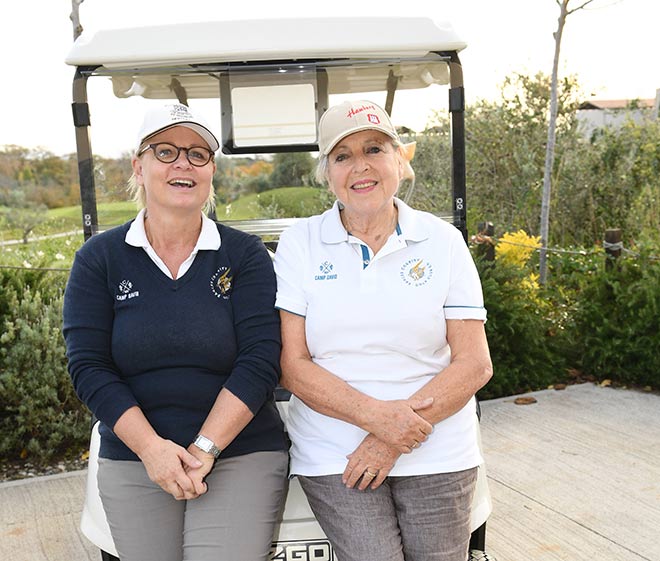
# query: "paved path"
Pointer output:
{"type": "Point", "coordinates": [39, 519]}
{"type": "Point", "coordinates": [573, 477]}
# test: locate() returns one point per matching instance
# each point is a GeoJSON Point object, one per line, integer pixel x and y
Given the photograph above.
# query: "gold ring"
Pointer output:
{"type": "Point", "coordinates": [367, 472]}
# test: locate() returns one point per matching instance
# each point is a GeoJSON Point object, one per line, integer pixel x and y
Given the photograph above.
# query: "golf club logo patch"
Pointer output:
{"type": "Point", "coordinates": [222, 283]}
{"type": "Point", "coordinates": [416, 272]}
{"type": "Point", "coordinates": [125, 291]}
{"type": "Point", "coordinates": [325, 272]}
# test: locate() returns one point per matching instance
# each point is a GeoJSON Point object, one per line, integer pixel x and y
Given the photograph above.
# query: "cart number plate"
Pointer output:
{"type": "Point", "coordinates": [313, 550]}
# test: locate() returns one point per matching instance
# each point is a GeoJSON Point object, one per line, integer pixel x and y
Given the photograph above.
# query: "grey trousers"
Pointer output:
{"type": "Point", "coordinates": [233, 521]}
{"type": "Point", "coordinates": [411, 518]}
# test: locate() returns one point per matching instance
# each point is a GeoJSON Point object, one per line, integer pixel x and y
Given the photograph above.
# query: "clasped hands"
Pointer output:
{"type": "Point", "coordinates": [395, 428]}
{"type": "Point", "coordinates": [177, 471]}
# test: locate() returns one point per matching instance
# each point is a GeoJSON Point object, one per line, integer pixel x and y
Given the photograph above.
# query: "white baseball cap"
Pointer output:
{"type": "Point", "coordinates": [352, 116]}
{"type": "Point", "coordinates": [174, 115]}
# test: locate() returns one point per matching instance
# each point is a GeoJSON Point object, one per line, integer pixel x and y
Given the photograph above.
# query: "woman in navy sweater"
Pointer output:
{"type": "Point", "coordinates": [173, 343]}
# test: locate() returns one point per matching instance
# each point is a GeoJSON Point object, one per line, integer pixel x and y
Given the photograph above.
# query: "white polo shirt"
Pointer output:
{"type": "Point", "coordinates": [378, 322]}
{"type": "Point", "coordinates": [209, 238]}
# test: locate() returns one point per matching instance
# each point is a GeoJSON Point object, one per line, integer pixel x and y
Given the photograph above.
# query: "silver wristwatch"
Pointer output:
{"type": "Point", "coordinates": [207, 445]}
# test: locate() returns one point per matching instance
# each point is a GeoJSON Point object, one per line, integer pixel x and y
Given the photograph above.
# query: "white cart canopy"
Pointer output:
{"type": "Point", "coordinates": [143, 61]}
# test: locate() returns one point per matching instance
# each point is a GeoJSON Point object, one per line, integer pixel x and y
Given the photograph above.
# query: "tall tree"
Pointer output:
{"type": "Point", "coordinates": [505, 150]}
{"type": "Point", "coordinates": [23, 215]}
{"type": "Point", "coordinates": [75, 18]}
{"type": "Point", "coordinates": [292, 169]}
{"type": "Point", "coordinates": [564, 12]}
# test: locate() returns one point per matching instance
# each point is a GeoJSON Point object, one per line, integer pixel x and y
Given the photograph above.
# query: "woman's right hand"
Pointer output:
{"type": "Point", "coordinates": [398, 424]}
{"type": "Point", "coordinates": [369, 464]}
{"type": "Point", "coordinates": [166, 462]}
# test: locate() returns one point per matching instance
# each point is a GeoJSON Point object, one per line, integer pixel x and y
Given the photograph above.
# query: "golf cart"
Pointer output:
{"type": "Point", "coordinates": [273, 79]}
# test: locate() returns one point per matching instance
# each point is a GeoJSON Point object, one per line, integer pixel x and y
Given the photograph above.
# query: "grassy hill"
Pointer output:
{"type": "Point", "coordinates": [275, 203]}
{"type": "Point", "coordinates": [70, 218]}
{"type": "Point", "coordinates": [282, 202]}
{"type": "Point", "coordinates": [66, 223]}
{"type": "Point", "coordinates": [285, 202]}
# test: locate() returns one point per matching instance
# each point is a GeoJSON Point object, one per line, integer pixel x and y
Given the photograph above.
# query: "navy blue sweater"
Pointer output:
{"type": "Point", "coordinates": [136, 337]}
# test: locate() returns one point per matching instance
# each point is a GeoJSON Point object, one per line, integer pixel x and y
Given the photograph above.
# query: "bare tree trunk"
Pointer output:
{"type": "Point", "coordinates": [75, 18]}
{"type": "Point", "coordinates": [550, 145]}
{"type": "Point", "coordinates": [564, 12]}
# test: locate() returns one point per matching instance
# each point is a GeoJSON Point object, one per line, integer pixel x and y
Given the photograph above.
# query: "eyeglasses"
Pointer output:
{"type": "Point", "coordinates": [167, 153]}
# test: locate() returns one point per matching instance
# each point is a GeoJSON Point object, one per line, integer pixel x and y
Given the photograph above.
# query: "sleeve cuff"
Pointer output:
{"type": "Point", "coordinates": [289, 305]}
{"type": "Point", "coordinates": [465, 312]}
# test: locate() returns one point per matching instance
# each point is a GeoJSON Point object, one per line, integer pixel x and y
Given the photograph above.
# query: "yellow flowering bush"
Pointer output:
{"type": "Point", "coordinates": [516, 248]}
{"type": "Point", "coordinates": [531, 282]}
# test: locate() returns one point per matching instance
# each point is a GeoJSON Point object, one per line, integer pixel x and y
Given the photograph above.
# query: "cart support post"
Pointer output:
{"type": "Point", "coordinates": [457, 112]}
{"type": "Point", "coordinates": [81, 121]}
{"type": "Point", "coordinates": [478, 538]}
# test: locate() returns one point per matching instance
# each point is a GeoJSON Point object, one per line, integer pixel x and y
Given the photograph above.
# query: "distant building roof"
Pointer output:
{"type": "Point", "coordinates": [617, 104]}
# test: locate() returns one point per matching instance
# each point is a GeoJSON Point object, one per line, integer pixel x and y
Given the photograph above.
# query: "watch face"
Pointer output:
{"type": "Point", "coordinates": [206, 445]}
{"type": "Point", "coordinates": [203, 443]}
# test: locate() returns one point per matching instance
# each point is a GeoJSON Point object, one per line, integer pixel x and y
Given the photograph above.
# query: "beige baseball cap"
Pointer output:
{"type": "Point", "coordinates": [352, 116]}
{"type": "Point", "coordinates": [173, 115]}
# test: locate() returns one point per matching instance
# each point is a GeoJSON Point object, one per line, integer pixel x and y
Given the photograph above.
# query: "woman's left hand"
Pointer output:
{"type": "Point", "coordinates": [198, 474]}
{"type": "Point", "coordinates": [370, 462]}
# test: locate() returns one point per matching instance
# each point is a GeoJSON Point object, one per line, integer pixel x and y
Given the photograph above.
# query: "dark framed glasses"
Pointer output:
{"type": "Point", "coordinates": [167, 153]}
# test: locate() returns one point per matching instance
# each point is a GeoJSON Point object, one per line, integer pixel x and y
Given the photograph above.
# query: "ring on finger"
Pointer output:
{"type": "Point", "coordinates": [367, 472]}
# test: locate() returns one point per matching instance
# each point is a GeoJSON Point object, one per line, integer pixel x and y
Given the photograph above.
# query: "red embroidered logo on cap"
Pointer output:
{"type": "Point", "coordinates": [356, 110]}
{"type": "Point", "coordinates": [373, 119]}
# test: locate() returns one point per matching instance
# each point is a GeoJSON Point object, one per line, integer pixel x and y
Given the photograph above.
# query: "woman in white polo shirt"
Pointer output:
{"type": "Point", "coordinates": [383, 348]}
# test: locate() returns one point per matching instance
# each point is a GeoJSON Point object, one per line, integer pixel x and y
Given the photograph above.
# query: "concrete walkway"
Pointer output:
{"type": "Point", "coordinates": [39, 519]}
{"type": "Point", "coordinates": [573, 477]}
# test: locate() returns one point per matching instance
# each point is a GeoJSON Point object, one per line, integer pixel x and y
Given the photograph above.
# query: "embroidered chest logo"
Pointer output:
{"type": "Point", "coordinates": [325, 272]}
{"type": "Point", "coordinates": [126, 292]}
{"type": "Point", "coordinates": [416, 272]}
{"type": "Point", "coordinates": [222, 282]}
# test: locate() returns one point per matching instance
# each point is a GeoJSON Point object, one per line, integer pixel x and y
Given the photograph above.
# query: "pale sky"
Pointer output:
{"type": "Point", "coordinates": [611, 46]}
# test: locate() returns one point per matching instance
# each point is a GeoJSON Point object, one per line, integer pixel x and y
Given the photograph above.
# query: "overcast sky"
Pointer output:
{"type": "Point", "coordinates": [612, 47]}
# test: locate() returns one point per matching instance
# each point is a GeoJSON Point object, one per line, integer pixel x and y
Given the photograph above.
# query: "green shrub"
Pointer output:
{"type": "Point", "coordinates": [522, 337]}
{"type": "Point", "coordinates": [569, 271]}
{"type": "Point", "coordinates": [617, 322]}
{"type": "Point", "coordinates": [53, 253]}
{"type": "Point", "coordinates": [41, 417]}
{"type": "Point", "coordinates": [13, 281]}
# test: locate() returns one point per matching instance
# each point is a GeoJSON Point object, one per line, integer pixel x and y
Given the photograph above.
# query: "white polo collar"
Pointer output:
{"type": "Point", "coordinates": [209, 237]}
{"type": "Point", "coordinates": [413, 229]}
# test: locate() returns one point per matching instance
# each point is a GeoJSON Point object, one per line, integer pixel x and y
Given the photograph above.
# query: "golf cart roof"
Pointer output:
{"type": "Point", "coordinates": [261, 40]}
{"type": "Point", "coordinates": [412, 46]}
